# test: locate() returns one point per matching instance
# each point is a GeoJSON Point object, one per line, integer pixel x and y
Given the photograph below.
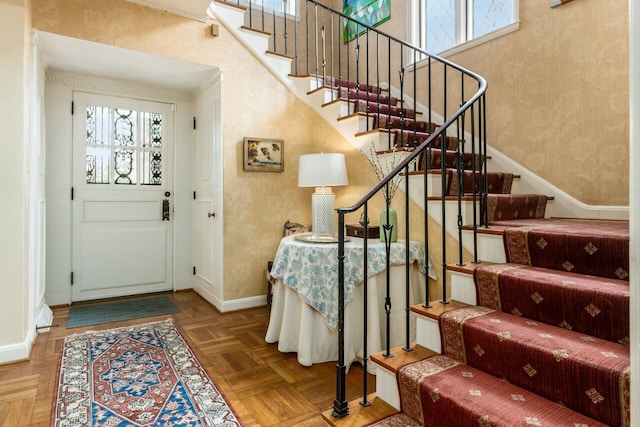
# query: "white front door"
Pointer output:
{"type": "Point", "coordinates": [122, 196]}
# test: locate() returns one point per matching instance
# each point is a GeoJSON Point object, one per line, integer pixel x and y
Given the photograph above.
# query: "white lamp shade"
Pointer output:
{"type": "Point", "coordinates": [322, 169]}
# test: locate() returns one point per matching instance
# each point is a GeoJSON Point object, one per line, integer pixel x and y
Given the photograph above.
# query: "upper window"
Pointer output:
{"type": "Point", "coordinates": [441, 25]}
{"type": "Point", "coordinates": [281, 6]}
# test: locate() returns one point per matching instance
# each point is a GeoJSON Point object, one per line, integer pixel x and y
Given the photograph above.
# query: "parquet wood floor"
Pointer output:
{"type": "Point", "coordinates": [264, 386]}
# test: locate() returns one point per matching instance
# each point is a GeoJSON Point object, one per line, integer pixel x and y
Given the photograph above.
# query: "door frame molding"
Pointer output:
{"type": "Point", "coordinates": [59, 90]}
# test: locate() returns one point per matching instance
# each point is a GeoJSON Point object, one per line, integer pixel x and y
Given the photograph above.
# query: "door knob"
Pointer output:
{"type": "Point", "coordinates": [210, 214]}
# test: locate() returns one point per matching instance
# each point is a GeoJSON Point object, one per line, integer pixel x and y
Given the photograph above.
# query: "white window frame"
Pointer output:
{"type": "Point", "coordinates": [257, 4]}
{"type": "Point", "coordinates": [462, 29]}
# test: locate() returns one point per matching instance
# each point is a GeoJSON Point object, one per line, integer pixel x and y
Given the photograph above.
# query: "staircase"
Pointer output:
{"type": "Point", "coordinates": [537, 333]}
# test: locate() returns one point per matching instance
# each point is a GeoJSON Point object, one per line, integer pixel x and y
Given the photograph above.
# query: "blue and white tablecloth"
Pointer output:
{"type": "Point", "coordinates": [311, 269]}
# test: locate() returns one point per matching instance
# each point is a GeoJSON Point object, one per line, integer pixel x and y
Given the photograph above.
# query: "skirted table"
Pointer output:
{"type": "Point", "coordinates": [304, 311]}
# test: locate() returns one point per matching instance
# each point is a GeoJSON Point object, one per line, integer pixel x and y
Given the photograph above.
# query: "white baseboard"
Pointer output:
{"type": "Point", "coordinates": [232, 305]}
{"type": "Point", "coordinates": [243, 303]}
{"type": "Point", "coordinates": [44, 317]}
{"type": "Point", "coordinates": [15, 352]}
{"type": "Point", "coordinates": [20, 351]}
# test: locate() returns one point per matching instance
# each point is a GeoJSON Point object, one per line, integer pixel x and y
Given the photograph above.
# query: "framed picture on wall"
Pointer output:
{"type": "Point", "coordinates": [263, 155]}
{"type": "Point", "coordinates": [370, 12]}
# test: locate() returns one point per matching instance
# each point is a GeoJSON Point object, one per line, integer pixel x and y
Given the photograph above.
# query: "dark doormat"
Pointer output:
{"type": "Point", "coordinates": [94, 314]}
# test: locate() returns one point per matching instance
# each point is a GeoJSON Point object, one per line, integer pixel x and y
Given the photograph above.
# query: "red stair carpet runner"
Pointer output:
{"type": "Point", "coordinates": [440, 391]}
{"type": "Point", "coordinates": [586, 374]}
{"type": "Point", "coordinates": [497, 182]}
{"type": "Point", "coordinates": [576, 302]}
{"type": "Point", "coordinates": [598, 248]}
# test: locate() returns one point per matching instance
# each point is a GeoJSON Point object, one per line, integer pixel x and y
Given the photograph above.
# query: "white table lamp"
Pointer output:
{"type": "Point", "coordinates": [322, 171]}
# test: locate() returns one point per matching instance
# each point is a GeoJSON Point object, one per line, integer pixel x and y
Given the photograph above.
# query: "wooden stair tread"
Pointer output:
{"type": "Point", "coordinates": [255, 30]}
{"type": "Point", "coordinates": [437, 308]}
{"type": "Point", "coordinates": [280, 55]}
{"type": "Point", "coordinates": [401, 357]}
{"type": "Point", "coordinates": [492, 229]}
{"type": "Point", "coordinates": [335, 101]}
{"type": "Point", "coordinates": [360, 415]}
{"type": "Point", "coordinates": [468, 268]}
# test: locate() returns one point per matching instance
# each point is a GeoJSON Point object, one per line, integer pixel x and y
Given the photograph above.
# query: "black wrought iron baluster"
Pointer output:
{"type": "Point", "coordinates": [348, 49]}
{"type": "Point", "coordinates": [378, 69]}
{"type": "Point", "coordinates": [357, 88]}
{"type": "Point", "coordinates": [340, 405]}
{"type": "Point", "coordinates": [415, 107]}
{"type": "Point", "coordinates": [460, 173]}
{"type": "Point", "coordinates": [389, 78]}
{"type": "Point", "coordinates": [474, 185]}
{"type": "Point", "coordinates": [443, 175]}
{"type": "Point", "coordinates": [426, 153]}
{"type": "Point", "coordinates": [483, 156]}
{"type": "Point", "coordinates": [275, 34]}
{"type": "Point", "coordinates": [262, 16]}
{"type": "Point", "coordinates": [427, 298]}
{"type": "Point", "coordinates": [365, 314]}
{"type": "Point", "coordinates": [358, 59]}
{"type": "Point", "coordinates": [324, 47]}
{"type": "Point", "coordinates": [402, 124]}
{"type": "Point", "coordinates": [250, 13]}
{"type": "Point", "coordinates": [332, 69]}
{"type": "Point", "coordinates": [340, 58]}
{"type": "Point", "coordinates": [407, 265]}
{"type": "Point", "coordinates": [295, 37]}
{"type": "Point", "coordinates": [366, 73]}
{"type": "Point", "coordinates": [315, 33]}
{"type": "Point", "coordinates": [284, 14]}
{"type": "Point", "coordinates": [387, 229]}
{"type": "Point", "coordinates": [429, 92]}
{"type": "Point", "coordinates": [306, 23]}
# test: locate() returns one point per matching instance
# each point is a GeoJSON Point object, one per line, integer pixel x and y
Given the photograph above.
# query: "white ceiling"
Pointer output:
{"type": "Point", "coordinates": [70, 55]}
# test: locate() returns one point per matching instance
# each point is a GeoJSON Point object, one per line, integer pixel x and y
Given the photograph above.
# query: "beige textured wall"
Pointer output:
{"type": "Point", "coordinates": [14, 140]}
{"type": "Point", "coordinates": [559, 96]}
{"type": "Point", "coordinates": [558, 93]}
{"type": "Point", "coordinates": [256, 204]}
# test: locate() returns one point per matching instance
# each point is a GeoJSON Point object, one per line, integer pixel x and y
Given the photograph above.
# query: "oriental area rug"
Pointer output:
{"type": "Point", "coordinates": [143, 375]}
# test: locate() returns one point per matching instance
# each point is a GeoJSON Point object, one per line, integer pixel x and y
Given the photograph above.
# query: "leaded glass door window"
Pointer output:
{"type": "Point", "coordinates": [123, 147]}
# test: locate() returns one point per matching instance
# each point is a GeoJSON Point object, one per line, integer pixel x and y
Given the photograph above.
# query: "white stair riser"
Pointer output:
{"type": "Point", "coordinates": [491, 246]}
{"type": "Point", "coordinates": [451, 212]}
{"type": "Point", "coordinates": [258, 41]}
{"type": "Point", "coordinates": [387, 387]}
{"type": "Point", "coordinates": [434, 183]}
{"type": "Point", "coordinates": [463, 288]}
{"type": "Point", "coordinates": [428, 333]}
{"type": "Point", "coordinates": [280, 64]}
{"type": "Point", "coordinates": [230, 16]}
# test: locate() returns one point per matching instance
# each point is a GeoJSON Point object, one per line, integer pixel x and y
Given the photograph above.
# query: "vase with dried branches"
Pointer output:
{"type": "Point", "coordinates": [388, 215]}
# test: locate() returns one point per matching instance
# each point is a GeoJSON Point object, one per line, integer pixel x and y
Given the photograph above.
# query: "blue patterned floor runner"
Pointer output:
{"type": "Point", "coordinates": [94, 314]}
